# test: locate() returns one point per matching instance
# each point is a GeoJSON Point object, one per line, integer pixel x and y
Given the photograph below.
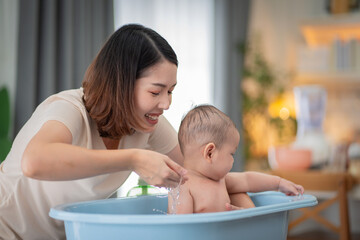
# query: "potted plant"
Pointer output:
{"type": "Point", "coordinates": [262, 86]}
{"type": "Point", "coordinates": [5, 142]}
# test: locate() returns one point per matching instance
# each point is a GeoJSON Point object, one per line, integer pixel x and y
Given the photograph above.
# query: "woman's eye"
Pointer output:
{"type": "Point", "coordinates": [169, 92]}
{"type": "Point", "coordinates": [155, 93]}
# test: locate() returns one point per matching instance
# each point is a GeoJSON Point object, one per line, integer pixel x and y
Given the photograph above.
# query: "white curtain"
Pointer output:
{"type": "Point", "coordinates": [188, 26]}
{"type": "Point", "coordinates": [205, 35]}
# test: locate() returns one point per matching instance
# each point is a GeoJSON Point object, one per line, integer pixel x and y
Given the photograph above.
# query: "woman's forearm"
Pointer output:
{"type": "Point", "coordinates": [50, 155]}
{"type": "Point", "coordinates": [61, 161]}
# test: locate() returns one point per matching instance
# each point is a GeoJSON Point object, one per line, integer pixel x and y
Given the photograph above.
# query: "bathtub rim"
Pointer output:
{"type": "Point", "coordinates": [60, 213]}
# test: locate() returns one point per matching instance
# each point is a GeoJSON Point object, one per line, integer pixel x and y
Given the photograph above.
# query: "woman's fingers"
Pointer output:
{"type": "Point", "coordinates": [173, 174]}
{"type": "Point", "coordinates": [180, 171]}
{"type": "Point", "coordinates": [172, 179]}
{"type": "Point", "coordinates": [159, 170]}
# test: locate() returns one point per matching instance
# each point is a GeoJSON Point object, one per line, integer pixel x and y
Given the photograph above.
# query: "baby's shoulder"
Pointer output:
{"type": "Point", "coordinates": [198, 184]}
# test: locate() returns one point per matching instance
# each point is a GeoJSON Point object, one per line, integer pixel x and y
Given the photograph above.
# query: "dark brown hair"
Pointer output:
{"type": "Point", "coordinates": [204, 124]}
{"type": "Point", "coordinates": [110, 79]}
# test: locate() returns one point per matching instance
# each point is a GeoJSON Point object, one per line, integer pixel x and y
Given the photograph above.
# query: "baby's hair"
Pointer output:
{"type": "Point", "coordinates": [204, 124]}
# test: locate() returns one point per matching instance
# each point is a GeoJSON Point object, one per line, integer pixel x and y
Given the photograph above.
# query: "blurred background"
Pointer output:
{"type": "Point", "coordinates": [246, 57]}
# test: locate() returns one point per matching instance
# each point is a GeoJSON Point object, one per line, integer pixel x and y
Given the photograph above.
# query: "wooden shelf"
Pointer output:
{"type": "Point", "coordinates": [322, 31]}
{"type": "Point", "coordinates": [338, 80]}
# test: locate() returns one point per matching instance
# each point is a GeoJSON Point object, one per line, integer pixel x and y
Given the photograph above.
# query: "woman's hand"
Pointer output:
{"type": "Point", "coordinates": [290, 188]}
{"type": "Point", "coordinates": [158, 169]}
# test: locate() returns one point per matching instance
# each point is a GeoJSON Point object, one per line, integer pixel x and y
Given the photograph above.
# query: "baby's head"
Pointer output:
{"type": "Point", "coordinates": [204, 124]}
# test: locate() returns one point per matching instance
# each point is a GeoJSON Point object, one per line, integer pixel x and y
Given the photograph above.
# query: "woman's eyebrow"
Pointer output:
{"type": "Point", "coordinates": [162, 85]}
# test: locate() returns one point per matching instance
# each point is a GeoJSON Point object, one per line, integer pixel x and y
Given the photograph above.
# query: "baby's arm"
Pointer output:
{"type": "Point", "coordinates": [185, 202]}
{"type": "Point", "coordinates": [257, 182]}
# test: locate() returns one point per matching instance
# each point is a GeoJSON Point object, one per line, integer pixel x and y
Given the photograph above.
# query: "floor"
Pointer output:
{"type": "Point", "coordinates": [320, 235]}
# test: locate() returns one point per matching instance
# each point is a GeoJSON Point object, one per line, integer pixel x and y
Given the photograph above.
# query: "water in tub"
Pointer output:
{"type": "Point", "coordinates": [143, 189]}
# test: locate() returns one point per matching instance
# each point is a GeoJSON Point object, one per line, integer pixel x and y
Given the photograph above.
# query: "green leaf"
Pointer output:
{"type": "Point", "coordinates": [4, 112]}
{"type": "Point", "coordinates": [5, 146]}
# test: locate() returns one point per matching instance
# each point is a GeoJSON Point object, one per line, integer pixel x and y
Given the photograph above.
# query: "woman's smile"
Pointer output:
{"type": "Point", "coordinates": [152, 118]}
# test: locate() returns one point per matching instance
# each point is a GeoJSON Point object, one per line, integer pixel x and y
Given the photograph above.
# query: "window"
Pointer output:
{"type": "Point", "coordinates": [188, 27]}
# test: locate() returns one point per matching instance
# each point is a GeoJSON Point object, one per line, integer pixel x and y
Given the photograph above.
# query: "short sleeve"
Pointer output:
{"type": "Point", "coordinates": [66, 113]}
{"type": "Point", "coordinates": [164, 138]}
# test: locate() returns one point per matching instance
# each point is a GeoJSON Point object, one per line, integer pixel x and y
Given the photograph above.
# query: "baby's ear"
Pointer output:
{"type": "Point", "coordinates": [209, 152]}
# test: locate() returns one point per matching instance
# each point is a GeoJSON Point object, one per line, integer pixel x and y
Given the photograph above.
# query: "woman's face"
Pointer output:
{"type": "Point", "coordinates": [152, 94]}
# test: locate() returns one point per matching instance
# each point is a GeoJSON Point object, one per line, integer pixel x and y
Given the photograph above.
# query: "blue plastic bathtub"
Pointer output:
{"type": "Point", "coordinates": [141, 218]}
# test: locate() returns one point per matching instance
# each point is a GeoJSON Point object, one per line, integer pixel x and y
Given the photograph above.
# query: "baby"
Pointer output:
{"type": "Point", "coordinates": [208, 140]}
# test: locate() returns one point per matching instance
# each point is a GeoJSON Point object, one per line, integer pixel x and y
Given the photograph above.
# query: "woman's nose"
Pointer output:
{"type": "Point", "coordinates": [165, 102]}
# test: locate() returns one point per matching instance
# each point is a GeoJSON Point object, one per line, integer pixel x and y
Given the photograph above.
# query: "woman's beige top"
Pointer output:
{"type": "Point", "coordinates": [25, 203]}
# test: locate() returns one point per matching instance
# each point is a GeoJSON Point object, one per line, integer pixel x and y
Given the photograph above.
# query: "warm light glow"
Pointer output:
{"type": "Point", "coordinates": [320, 35]}
{"type": "Point", "coordinates": [282, 107]}
{"type": "Point", "coordinates": [284, 113]}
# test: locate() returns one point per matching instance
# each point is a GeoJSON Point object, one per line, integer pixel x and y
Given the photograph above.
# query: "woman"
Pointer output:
{"type": "Point", "coordinates": [82, 144]}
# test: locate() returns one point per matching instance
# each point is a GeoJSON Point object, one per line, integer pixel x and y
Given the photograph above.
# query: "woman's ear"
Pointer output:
{"type": "Point", "coordinates": [209, 150]}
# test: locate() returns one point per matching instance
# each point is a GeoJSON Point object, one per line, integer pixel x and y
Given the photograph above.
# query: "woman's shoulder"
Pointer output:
{"type": "Point", "coordinates": [68, 108]}
{"type": "Point", "coordinates": [74, 96]}
{"type": "Point", "coordinates": [62, 106]}
{"type": "Point", "coordinates": [71, 97]}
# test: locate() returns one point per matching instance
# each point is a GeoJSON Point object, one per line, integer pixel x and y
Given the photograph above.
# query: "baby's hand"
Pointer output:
{"type": "Point", "coordinates": [230, 207]}
{"type": "Point", "coordinates": [290, 188]}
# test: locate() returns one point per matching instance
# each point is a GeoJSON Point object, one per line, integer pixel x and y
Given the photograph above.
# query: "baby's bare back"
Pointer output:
{"type": "Point", "coordinates": [208, 195]}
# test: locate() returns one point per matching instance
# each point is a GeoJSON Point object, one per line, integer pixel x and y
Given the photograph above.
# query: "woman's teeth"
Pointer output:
{"type": "Point", "coordinates": [152, 117]}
